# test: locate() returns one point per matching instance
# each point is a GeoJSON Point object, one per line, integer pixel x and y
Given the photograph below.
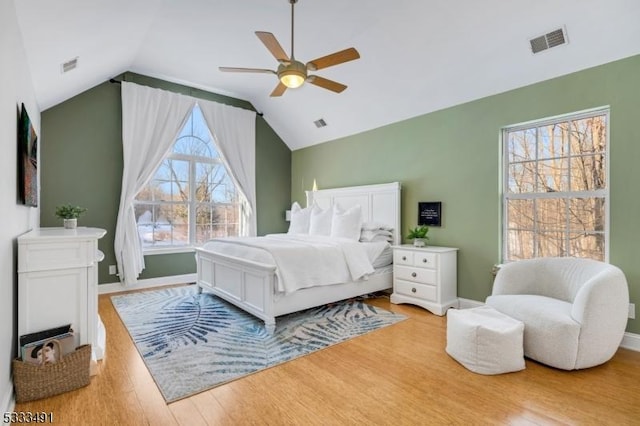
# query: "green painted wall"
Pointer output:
{"type": "Point", "coordinates": [453, 156]}
{"type": "Point", "coordinates": [81, 163]}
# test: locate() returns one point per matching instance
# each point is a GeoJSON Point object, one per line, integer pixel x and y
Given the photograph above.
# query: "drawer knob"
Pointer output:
{"type": "Point", "coordinates": [424, 260]}
{"type": "Point", "coordinates": [404, 257]}
{"type": "Point", "coordinates": [413, 274]}
{"type": "Point", "coordinates": [413, 290]}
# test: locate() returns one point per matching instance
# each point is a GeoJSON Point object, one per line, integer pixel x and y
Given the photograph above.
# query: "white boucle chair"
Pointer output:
{"type": "Point", "coordinates": [574, 310]}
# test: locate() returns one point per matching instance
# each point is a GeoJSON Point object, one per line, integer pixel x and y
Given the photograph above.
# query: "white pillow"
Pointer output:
{"type": "Point", "coordinates": [300, 219]}
{"type": "Point", "coordinates": [374, 226]}
{"type": "Point", "coordinates": [378, 235]}
{"type": "Point", "coordinates": [320, 223]}
{"type": "Point", "coordinates": [347, 224]}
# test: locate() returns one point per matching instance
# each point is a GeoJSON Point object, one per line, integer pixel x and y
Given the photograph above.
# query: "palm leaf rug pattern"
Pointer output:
{"type": "Point", "coordinates": [192, 342]}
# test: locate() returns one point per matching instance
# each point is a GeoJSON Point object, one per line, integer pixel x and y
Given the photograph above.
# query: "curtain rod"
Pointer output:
{"type": "Point", "coordinates": [114, 81]}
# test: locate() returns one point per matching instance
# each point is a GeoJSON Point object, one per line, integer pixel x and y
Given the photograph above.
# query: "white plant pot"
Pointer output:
{"type": "Point", "coordinates": [70, 223]}
{"type": "Point", "coordinates": [419, 242]}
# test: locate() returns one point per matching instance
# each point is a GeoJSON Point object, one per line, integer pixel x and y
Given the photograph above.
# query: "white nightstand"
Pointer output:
{"type": "Point", "coordinates": [425, 276]}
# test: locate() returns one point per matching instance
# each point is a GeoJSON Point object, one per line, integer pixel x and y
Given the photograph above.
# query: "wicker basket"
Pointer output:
{"type": "Point", "coordinates": [70, 372]}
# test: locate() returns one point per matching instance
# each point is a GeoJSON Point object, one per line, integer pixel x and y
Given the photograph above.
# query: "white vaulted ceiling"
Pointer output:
{"type": "Point", "coordinates": [417, 56]}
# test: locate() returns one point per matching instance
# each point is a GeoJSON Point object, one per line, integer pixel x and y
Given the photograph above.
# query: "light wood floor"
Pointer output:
{"type": "Point", "coordinates": [396, 375]}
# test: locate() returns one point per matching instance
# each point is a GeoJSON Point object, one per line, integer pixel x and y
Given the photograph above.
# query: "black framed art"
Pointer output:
{"type": "Point", "coordinates": [430, 213]}
{"type": "Point", "coordinates": [27, 160]}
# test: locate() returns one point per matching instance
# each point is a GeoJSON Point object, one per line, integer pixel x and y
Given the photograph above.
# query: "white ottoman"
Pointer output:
{"type": "Point", "coordinates": [484, 340]}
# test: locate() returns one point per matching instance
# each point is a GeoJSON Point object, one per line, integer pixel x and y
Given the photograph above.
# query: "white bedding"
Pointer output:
{"type": "Point", "coordinates": [304, 260]}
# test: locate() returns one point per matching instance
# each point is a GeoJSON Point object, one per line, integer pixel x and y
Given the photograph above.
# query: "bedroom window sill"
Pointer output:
{"type": "Point", "coordinates": [168, 250]}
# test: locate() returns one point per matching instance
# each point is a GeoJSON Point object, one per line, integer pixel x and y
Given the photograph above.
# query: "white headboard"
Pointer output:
{"type": "Point", "coordinates": [379, 203]}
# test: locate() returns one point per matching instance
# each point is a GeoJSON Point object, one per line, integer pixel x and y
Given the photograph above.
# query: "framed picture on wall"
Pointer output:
{"type": "Point", "coordinates": [27, 160]}
{"type": "Point", "coordinates": [430, 213]}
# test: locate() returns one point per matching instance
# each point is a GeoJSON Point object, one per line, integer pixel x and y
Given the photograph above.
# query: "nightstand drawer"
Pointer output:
{"type": "Point", "coordinates": [403, 257]}
{"type": "Point", "coordinates": [420, 275]}
{"type": "Point", "coordinates": [415, 258]}
{"type": "Point", "coordinates": [420, 291]}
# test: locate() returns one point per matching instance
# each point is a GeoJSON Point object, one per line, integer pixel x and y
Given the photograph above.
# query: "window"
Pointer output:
{"type": "Point", "coordinates": [555, 190]}
{"type": "Point", "coordinates": [191, 198]}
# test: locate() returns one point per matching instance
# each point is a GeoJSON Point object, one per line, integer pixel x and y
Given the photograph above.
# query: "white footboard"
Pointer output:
{"type": "Point", "coordinates": [248, 285]}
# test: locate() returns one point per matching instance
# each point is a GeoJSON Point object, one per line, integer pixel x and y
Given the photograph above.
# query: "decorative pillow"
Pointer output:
{"type": "Point", "coordinates": [346, 224]}
{"type": "Point", "coordinates": [300, 219]}
{"type": "Point", "coordinates": [320, 223]}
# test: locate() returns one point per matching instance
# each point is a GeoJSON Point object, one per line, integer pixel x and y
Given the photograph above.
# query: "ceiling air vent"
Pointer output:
{"type": "Point", "coordinates": [70, 65]}
{"type": "Point", "coordinates": [320, 123]}
{"type": "Point", "coordinates": [552, 39]}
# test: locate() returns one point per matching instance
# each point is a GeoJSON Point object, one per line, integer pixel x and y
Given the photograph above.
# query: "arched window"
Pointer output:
{"type": "Point", "coordinates": [191, 197]}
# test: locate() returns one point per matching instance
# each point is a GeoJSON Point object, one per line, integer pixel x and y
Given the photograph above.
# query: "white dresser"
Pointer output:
{"type": "Point", "coordinates": [425, 276]}
{"type": "Point", "coordinates": [58, 283]}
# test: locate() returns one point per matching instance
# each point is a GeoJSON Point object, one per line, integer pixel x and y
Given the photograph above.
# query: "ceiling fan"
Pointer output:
{"type": "Point", "coordinates": [293, 73]}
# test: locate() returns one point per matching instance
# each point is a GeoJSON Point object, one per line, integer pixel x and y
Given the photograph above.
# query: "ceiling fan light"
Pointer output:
{"type": "Point", "coordinates": [292, 78]}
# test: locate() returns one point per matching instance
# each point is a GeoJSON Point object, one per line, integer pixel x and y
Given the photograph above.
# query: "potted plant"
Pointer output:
{"type": "Point", "coordinates": [69, 214]}
{"type": "Point", "coordinates": [419, 235]}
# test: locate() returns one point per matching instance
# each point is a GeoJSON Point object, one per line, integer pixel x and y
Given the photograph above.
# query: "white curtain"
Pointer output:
{"type": "Point", "coordinates": [234, 131]}
{"type": "Point", "coordinates": [151, 120]}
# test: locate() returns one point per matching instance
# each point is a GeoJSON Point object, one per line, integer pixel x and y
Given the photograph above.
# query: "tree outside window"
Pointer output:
{"type": "Point", "coordinates": [191, 197]}
{"type": "Point", "coordinates": [555, 193]}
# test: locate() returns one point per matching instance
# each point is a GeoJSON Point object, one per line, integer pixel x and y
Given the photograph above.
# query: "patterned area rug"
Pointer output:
{"type": "Point", "coordinates": [193, 342]}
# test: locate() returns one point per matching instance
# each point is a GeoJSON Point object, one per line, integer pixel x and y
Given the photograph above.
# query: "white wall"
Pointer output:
{"type": "Point", "coordinates": [15, 88]}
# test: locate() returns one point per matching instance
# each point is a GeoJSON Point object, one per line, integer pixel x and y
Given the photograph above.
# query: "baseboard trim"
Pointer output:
{"type": "Point", "coordinates": [468, 303]}
{"type": "Point", "coordinates": [630, 341]}
{"type": "Point", "coordinates": [8, 401]}
{"type": "Point", "coordinates": [148, 283]}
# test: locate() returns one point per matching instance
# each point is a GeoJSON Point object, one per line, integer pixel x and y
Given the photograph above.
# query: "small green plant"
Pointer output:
{"type": "Point", "coordinates": [68, 211]}
{"type": "Point", "coordinates": [418, 232]}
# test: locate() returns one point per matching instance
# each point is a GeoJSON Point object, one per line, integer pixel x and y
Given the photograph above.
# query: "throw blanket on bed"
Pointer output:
{"type": "Point", "coordinates": [304, 260]}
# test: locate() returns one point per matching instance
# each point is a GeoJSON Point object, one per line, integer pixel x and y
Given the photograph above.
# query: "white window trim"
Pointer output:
{"type": "Point", "coordinates": [152, 251]}
{"type": "Point", "coordinates": [504, 178]}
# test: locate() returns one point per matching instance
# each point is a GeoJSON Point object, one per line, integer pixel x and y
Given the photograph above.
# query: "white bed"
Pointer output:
{"type": "Point", "coordinates": [252, 285]}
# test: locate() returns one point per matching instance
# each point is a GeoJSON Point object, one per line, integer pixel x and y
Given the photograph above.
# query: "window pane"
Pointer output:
{"type": "Point", "coordinates": [588, 245]}
{"type": "Point", "coordinates": [520, 214]}
{"type": "Point", "coordinates": [208, 177]}
{"type": "Point", "coordinates": [145, 218]}
{"type": "Point", "coordinates": [551, 214]}
{"type": "Point", "coordinates": [216, 220]}
{"type": "Point", "coordinates": [553, 141]}
{"type": "Point", "coordinates": [520, 244]}
{"type": "Point", "coordinates": [522, 177]}
{"type": "Point", "coordinates": [147, 193]}
{"type": "Point", "coordinates": [161, 224]}
{"type": "Point", "coordinates": [189, 145]}
{"type": "Point", "coordinates": [588, 173]}
{"type": "Point", "coordinates": [553, 175]}
{"type": "Point", "coordinates": [522, 145]}
{"type": "Point", "coordinates": [551, 244]}
{"type": "Point", "coordinates": [588, 136]}
{"type": "Point", "coordinates": [205, 215]}
{"type": "Point", "coordinates": [586, 214]}
{"type": "Point", "coordinates": [172, 180]}
{"type": "Point", "coordinates": [175, 220]}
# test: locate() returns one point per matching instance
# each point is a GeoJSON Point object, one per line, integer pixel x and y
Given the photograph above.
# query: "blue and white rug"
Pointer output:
{"type": "Point", "coordinates": [193, 342]}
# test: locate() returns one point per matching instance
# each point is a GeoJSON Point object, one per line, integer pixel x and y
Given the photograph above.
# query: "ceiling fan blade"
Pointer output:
{"type": "Point", "coordinates": [269, 40]}
{"type": "Point", "coordinates": [325, 83]}
{"type": "Point", "coordinates": [341, 57]}
{"type": "Point", "coordinates": [279, 90]}
{"type": "Point", "coordinates": [254, 70]}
